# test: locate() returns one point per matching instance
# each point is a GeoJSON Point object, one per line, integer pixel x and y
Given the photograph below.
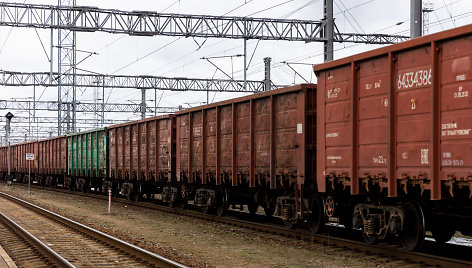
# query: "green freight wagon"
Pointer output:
{"type": "Point", "coordinates": [87, 156]}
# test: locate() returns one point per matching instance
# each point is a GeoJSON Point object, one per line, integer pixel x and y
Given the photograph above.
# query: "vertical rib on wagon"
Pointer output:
{"type": "Point", "coordinates": [436, 124]}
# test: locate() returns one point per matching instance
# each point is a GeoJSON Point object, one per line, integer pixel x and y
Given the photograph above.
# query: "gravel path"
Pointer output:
{"type": "Point", "coordinates": [195, 242]}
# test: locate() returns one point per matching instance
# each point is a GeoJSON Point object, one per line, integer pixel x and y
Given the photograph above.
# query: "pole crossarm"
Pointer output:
{"type": "Point", "coordinates": [145, 23]}
{"type": "Point", "coordinates": [369, 38]}
{"type": "Point", "coordinates": [82, 107]}
{"type": "Point", "coordinates": [45, 120]}
{"type": "Point", "coordinates": [8, 78]}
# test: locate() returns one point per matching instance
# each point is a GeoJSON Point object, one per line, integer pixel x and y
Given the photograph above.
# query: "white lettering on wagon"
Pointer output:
{"type": "Point", "coordinates": [451, 162]}
{"type": "Point", "coordinates": [332, 135]}
{"type": "Point", "coordinates": [333, 93]}
{"type": "Point", "coordinates": [449, 125]}
{"type": "Point", "coordinates": [379, 160]}
{"type": "Point", "coordinates": [377, 84]}
{"type": "Point", "coordinates": [460, 77]}
{"type": "Point", "coordinates": [449, 129]}
{"type": "Point", "coordinates": [461, 93]}
{"type": "Point", "coordinates": [424, 156]}
{"type": "Point", "coordinates": [334, 158]}
{"type": "Point", "coordinates": [414, 79]}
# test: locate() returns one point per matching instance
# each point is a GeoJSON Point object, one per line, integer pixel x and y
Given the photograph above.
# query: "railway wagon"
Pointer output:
{"type": "Point", "coordinates": [27, 166]}
{"type": "Point", "coordinates": [395, 141]}
{"type": "Point", "coordinates": [87, 154]}
{"type": "Point", "coordinates": [4, 161]}
{"type": "Point", "coordinates": [141, 157]}
{"type": "Point", "coordinates": [52, 164]}
{"type": "Point", "coordinates": [254, 150]}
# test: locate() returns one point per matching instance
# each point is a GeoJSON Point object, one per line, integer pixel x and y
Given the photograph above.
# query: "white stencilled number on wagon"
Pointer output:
{"type": "Point", "coordinates": [378, 84]}
{"type": "Point", "coordinates": [333, 93]}
{"type": "Point", "coordinates": [460, 77]}
{"type": "Point", "coordinates": [375, 85]}
{"type": "Point", "coordinates": [414, 79]}
{"type": "Point", "coordinates": [424, 156]}
{"type": "Point", "coordinates": [379, 160]}
{"type": "Point", "coordinates": [461, 93]}
{"type": "Point", "coordinates": [385, 102]}
{"type": "Point", "coordinates": [448, 161]}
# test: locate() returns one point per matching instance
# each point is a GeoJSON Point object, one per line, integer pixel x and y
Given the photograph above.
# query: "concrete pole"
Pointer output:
{"type": "Point", "coordinates": [245, 64]}
{"type": "Point", "coordinates": [51, 57]}
{"type": "Point", "coordinates": [34, 108]}
{"type": "Point", "coordinates": [329, 31]}
{"type": "Point", "coordinates": [415, 18]}
{"type": "Point", "coordinates": [143, 103]}
{"type": "Point", "coordinates": [9, 116]}
{"type": "Point", "coordinates": [155, 102]}
{"type": "Point", "coordinates": [8, 143]}
{"type": "Point", "coordinates": [267, 83]}
{"type": "Point", "coordinates": [103, 102]}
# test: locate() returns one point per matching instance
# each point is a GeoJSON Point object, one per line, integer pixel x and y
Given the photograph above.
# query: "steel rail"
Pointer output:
{"type": "Point", "coordinates": [131, 249]}
{"type": "Point", "coordinates": [43, 248]}
{"type": "Point", "coordinates": [394, 252]}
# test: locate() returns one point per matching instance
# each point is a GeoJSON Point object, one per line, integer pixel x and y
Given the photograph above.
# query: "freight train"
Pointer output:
{"type": "Point", "coordinates": [381, 144]}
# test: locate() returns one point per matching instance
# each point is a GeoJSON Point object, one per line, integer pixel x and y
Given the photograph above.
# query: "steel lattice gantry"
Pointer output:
{"type": "Point", "coordinates": [145, 23]}
{"type": "Point", "coordinates": [67, 57]}
{"type": "Point", "coordinates": [82, 107]}
{"type": "Point", "coordinates": [8, 78]}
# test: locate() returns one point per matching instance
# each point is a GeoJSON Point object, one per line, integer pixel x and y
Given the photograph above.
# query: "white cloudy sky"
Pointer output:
{"type": "Point", "coordinates": [21, 50]}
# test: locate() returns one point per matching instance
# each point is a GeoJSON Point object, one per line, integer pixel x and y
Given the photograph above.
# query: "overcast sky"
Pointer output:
{"type": "Point", "coordinates": [21, 50]}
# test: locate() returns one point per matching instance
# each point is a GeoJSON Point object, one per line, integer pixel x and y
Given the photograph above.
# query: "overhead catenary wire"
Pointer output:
{"type": "Point", "coordinates": [349, 12]}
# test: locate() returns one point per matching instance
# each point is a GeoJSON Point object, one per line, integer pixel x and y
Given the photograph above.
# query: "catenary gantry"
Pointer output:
{"type": "Point", "coordinates": [8, 78]}
{"type": "Point", "coordinates": [145, 23]}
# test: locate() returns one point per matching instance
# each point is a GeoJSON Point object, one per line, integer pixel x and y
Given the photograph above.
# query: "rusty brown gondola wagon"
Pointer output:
{"type": "Point", "coordinates": [254, 150]}
{"type": "Point", "coordinates": [395, 140]}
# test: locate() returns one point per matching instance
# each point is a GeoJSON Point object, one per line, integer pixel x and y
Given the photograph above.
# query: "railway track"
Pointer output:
{"type": "Point", "coordinates": [62, 242]}
{"type": "Point", "coordinates": [431, 257]}
{"type": "Point", "coordinates": [20, 249]}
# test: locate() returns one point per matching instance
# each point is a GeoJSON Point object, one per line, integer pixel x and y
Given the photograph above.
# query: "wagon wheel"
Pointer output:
{"type": "Point", "coordinates": [182, 197]}
{"type": "Point", "coordinates": [138, 194]}
{"type": "Point", "coordinates": [369, 239]}
{"type": "Point", "coordinates": [442, 231]}
{"type": "Point", "coordinates": [252, 207]}
{"type": "Point", "coordinates": [115, 189]}
{"type": "Point", "coordinates": [72, 186]}
{"type": "Point", "coordinates": [413, 233]}
{"type": "Point", "coordinates": [83, 188]}
{"type": "Point", "coordinates": [290, 224]}
{"type": "Point", "coordinates": [269, 210]}
{"type": "Point", "coordinates": [221, 201]}
{"type": "Point", "coordinates": [206, 209]}
{"type": "Point", "coordinates": [317, 218]}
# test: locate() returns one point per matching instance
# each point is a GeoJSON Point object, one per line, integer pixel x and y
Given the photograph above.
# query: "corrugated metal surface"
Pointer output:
{"type": "Point", "coordinates": [23, 149]}
{"type": "Point", "coordinates": [53, 156]}
{"type": "Point", "coordinates": [248, 140]}
{"type": "Point", "coordinates": [411, 119]}
{"type": "Point", "coordinates": [143, 150]}
{"type": "Point", "coordinates": [3, 159]}
{"type": "Point", "coordinates": [87, 153]}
